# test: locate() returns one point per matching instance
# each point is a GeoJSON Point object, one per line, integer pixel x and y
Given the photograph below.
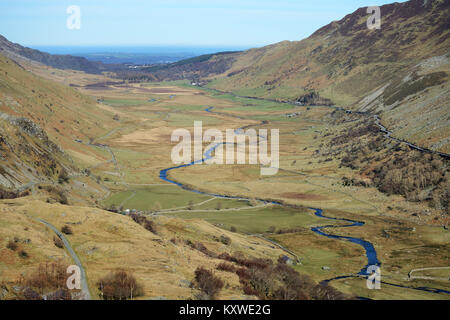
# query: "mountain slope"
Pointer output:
{"type": "Point", "coordinates": [345, 60]}
{"type": "Point", "coordinates": [17, 52]}
{"type": "Point", "coordinates": [346, 64]}
{"type": "Point", "coordinates": [40, 121]}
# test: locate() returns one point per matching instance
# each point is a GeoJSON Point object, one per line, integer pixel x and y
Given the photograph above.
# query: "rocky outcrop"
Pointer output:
{"type": "Point", "coordinates": [313, 99]}
{"type": "Point", "coordinates": [32, 129]}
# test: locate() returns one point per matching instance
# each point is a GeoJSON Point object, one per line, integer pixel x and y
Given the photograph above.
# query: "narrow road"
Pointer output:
{"type": "Point", "coordinates": [388, 134]}
{"type": "Point", "coordinates": [297, 258]}
{"type": "Point", "coordinates": [133, 193]}
{"type": "Point", "coordinates": [412, 277]}
{"type": "Point", "coordinates": [84, 286]}
{"type": "Point", "coordinates": [376, 117]}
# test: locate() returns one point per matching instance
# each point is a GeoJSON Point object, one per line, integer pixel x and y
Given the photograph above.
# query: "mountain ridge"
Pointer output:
{"type": "Point", "coordinates": [16, 51]}
{"type": "Point", "coordinates": [346, 64]}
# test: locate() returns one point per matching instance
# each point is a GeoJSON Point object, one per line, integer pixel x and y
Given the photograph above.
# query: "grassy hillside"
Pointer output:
{"type": "Point", "coordinates": [60, 61]}
{"type": "Point", "coordinates": [345, 60]}
{"type": "Point", "coordinates": [45, 130]}
{"type": "Point", "coordinates": [400, 67]}
{"type": "Point", "coordinates": [163, 263]}
{"type": "Point", "coordinates": [400, 71]}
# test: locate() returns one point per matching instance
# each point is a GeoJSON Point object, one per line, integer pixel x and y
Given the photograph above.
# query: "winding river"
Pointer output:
{"type": "Point", "coordinates": [368, 247]}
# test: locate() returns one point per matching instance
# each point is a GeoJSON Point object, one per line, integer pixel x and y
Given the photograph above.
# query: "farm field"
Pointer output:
{"type": "Point", "coordinates": [142, 147]}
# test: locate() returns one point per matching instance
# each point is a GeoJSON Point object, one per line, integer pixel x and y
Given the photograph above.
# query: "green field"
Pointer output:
{"type": "Point", "coordinates": [149, 198]}
{"type": "Point", "coordinates": [255, 220]}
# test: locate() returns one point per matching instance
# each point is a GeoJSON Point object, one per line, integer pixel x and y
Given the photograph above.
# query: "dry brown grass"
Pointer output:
{"type": "Point", "coordinates": [106, 242]}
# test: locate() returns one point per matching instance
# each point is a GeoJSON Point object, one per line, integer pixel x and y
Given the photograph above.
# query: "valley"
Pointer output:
{"type": "Point", "coordinates": [318, 184]}
{"type": "Point", "coordinates": [139, 148]}
{"type": "Point", "coordinates": [88, 177]}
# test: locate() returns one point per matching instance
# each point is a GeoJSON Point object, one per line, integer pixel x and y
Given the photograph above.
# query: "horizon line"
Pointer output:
{"type": "Point", "coordinates": [149, 45]}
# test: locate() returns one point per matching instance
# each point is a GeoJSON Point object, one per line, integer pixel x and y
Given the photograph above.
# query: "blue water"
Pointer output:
{"type": "Point", "coordinates": [371, 254]}
{"type": "Point", "coordinates": [137, 54]}
{"type": "Point", "coordinates": [369, 249]}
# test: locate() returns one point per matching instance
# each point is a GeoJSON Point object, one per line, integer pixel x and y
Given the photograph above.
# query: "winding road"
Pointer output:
{"type": "Point", "coordinates": [84, 285]}
{"type": "Point", "coordinates": [388, 134]}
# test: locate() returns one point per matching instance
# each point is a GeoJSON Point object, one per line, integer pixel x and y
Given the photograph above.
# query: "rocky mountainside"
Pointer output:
{"type": "Point", "coordinates": [400, 69]}
{"type": "Point", "coordinates": [342, 61]}
{"type": "Point", "coordinates": [40, 124]}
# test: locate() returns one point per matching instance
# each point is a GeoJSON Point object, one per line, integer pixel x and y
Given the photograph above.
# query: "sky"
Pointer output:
{"type": "Point", "coordinates": [170, 22]}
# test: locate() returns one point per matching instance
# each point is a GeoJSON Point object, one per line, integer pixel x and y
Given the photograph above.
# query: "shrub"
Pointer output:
{"type": "Point", "coordinates": [67, 230]}
{"type": "Point", "coordinates": [58, 242]}
{"type": "Point", "coordinates": [201, 247]}
{"type": "Point", "coordinates": [249, 290]}
{"type": "Point", "coordinates": [208, 283]}
{"type": "Point", "coordinates": [143, 221]}
{"type": "Point", "coordinates": [12, 245]}
{"type": "Point", "coordinates": [223, 266]}
{"type": "Point", "coordinates": [225, 240]}
{"type": "Point", "coordinates": [63, 177]}
{"type": "Point", "coordinates": [30, 294]}
{"type": "Point", "coordinates": [119, 285]}
{"type": "Point", "coordinates": [225, 256]}
{"type": "Point", "coordinates": [23, 254]}
{"type": "Point", "coordinates": [60, 294]}
{"type": "Point", "coordinates": [150, 226]}
{"type": "Point", "coordinates": [113, 208]}
{"type": "Point", "coordinates": [258, 263]}
{"type": "Point", "coordinates": [59, 194]}
{"type": "Point", "coordinates": [48, 277]}
{"type": "Point", "coordinates": [326, 292]}
{"type": "Point", "coordinates": [266, 280]}
{"type": "Point", "coordinates": [4, 194]}
{"type": "Point", "coordinates": [243, 275]}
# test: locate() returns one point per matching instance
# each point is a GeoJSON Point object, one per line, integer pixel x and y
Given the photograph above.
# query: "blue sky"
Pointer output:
{"type": "Point", "coordinates": [170, 22]}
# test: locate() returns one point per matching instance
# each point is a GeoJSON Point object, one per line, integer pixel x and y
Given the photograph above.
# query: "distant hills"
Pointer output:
{"type": "Point", "coordinates": [60, 61]}
{"type": "Point", "coordinates": [40, 121]}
